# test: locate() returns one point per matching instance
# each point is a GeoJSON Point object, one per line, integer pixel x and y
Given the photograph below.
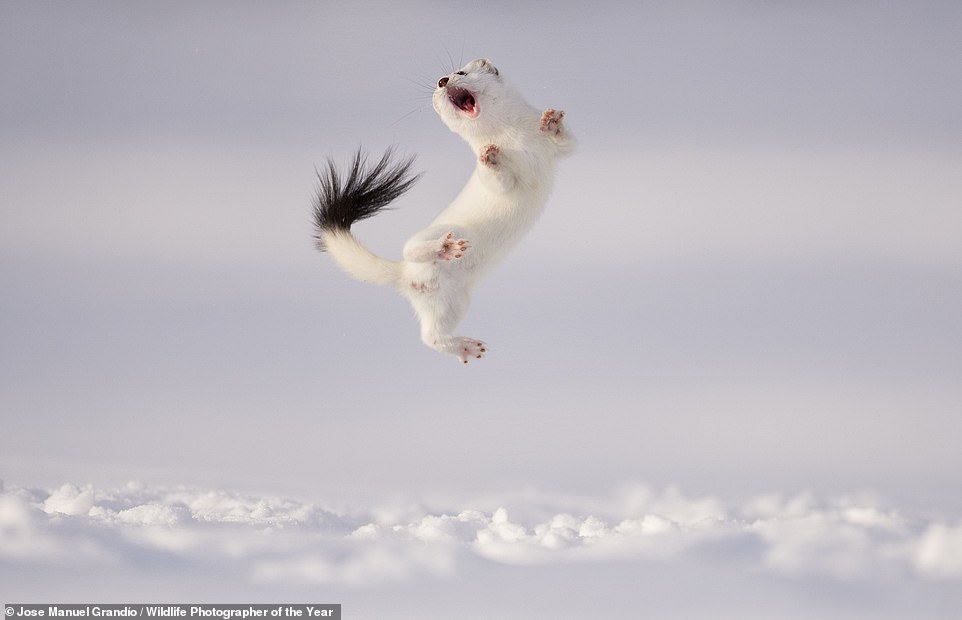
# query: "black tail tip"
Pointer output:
{"type": "Point", "coordinates": [362, 192]}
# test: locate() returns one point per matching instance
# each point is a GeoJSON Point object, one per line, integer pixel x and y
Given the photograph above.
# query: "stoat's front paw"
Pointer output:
{"type": "Point", "coordinates": [469, 348]}
{"type": "Point", "coordinates": [490, 156]}
{"type": "Point", "coordinates": [451, 248]}
{"type": "Point", "coordinates": [551, 122]}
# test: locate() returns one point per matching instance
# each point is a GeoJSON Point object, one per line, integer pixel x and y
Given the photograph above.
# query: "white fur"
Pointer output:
{"type": "Point", "coordinates": [517, 147]}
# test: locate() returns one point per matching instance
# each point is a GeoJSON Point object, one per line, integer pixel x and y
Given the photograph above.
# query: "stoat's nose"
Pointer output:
{"type": "Point", "coordinates": [443, 82]}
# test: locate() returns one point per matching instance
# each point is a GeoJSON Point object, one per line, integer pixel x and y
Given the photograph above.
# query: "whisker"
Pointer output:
{"type": "Point", "coordinates": [404, 117]}
{"type": "Point", "coordinates": [450, 59]}
{"type": "Point", "coordinates": [444, 69]}
{"type": "Point", "coordinates": [424, 84]}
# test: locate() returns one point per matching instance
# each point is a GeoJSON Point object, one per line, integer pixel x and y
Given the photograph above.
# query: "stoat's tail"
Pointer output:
{"type": "Point", "coordinates": [364, 193]}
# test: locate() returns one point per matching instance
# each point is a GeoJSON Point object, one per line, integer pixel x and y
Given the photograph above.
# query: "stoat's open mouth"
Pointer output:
{"type": "Point", "coordinates": [463, 100]}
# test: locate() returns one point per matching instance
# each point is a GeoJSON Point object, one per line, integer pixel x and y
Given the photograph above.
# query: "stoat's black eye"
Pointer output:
{"type": "Point", "coordinates": [443, 82]}
{"type": "Point", "coordinates": [460, 73]}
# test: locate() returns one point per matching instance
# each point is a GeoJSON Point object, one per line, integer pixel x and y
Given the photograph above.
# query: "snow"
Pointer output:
{"type": "Point", "coordinates": [938, 552]}
{"type": "Point", "coordinates": [284, 543]}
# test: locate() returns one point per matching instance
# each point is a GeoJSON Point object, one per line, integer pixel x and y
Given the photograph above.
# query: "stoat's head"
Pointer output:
{"type": "Point", "coordinates": [473, 99]}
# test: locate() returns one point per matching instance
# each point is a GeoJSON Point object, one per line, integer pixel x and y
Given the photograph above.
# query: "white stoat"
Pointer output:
{"type": "Point", "coordinates": [516, 147]}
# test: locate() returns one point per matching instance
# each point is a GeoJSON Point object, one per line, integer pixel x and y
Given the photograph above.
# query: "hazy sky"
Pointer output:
{"type": "Point", "coordinates": [749, 279]}
{"type": "Point", "coordinates": [754, 257]}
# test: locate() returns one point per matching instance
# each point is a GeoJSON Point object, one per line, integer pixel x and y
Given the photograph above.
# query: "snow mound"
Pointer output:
{"type": "Point", "coordinates": [274, 540]}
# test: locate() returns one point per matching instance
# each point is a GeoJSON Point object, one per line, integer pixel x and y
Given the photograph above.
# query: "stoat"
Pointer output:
{"type": "Point", "coordinates": [516, 147]}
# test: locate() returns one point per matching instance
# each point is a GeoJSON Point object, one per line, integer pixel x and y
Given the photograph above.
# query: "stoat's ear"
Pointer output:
{"type": "Point", "coordinates": [487, 66]}
{"type": "Point", "coordinates": [483, 65]}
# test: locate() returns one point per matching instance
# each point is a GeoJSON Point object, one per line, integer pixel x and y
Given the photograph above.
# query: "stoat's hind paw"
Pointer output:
{"type": "Point", "coordinates": [469, 349]}
{"type": "Point", "coordinates": [490, 156]}
{"type": "Point", "coordinates": [451, 248]}
{"type": "Point", "coordinates": [551, 122]}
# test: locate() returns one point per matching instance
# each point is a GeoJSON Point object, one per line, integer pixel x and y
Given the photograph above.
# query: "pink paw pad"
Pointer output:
{"type": "Point", "coordinates": [490, 156]}
{"type": "Point", "coordinates": [452, 248]}
{"type": "Point", "coordinates": [551, 121]}
{"type": "Point", "coordinates": [471, 349]}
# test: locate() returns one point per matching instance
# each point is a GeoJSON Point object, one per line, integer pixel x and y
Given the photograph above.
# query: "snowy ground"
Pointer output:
{"type": "Point", "coordinates": [826, 557]}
